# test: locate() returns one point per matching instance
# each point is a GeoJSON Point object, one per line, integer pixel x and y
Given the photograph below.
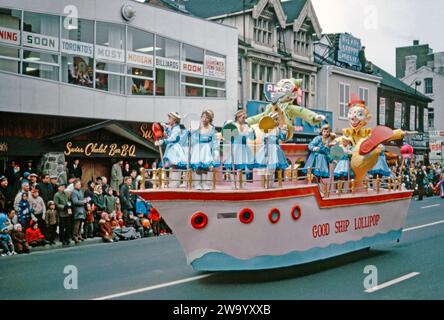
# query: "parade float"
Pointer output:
{"type": "Point", "coordinates": [248, 225]}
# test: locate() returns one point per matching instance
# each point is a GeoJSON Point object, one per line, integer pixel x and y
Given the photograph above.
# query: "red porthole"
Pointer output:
{"type": "Point", "coordinates": [274, 215]}
{"type": "Point", "coordinates": [199, 220]}
{"type": "Point", "coordinates": [246, 215]}
{"type": "Point", "coordinates": [296, 213]}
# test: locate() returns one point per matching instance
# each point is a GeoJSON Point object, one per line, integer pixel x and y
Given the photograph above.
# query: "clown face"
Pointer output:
{"type": "Point", "coordinates": [358, 117]}
{"type": "Point", "coordinates": [287, 90]}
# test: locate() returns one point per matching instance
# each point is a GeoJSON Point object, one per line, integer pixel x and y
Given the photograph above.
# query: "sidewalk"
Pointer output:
{"type": "Point", "coordinates": [59, 245]}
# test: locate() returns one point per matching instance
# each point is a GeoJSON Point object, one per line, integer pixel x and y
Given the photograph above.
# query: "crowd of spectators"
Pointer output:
{"type": "Point", "coordinates": [36, 210]}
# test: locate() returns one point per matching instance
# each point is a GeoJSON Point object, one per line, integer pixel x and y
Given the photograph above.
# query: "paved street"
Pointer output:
{"type": "Point", "coordinates": [156, 266]}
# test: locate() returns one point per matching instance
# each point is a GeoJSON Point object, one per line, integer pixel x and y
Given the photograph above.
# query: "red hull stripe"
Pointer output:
{"type": "Point", "coordinates": [264, 195]}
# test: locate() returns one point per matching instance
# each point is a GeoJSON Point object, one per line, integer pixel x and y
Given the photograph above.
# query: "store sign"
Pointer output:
{"type": "Point", "coordinates": [9, 35]}
{"type": "Point", "coordinates": [167, 64]}
{"type": "Point", "coordinates": [111, 54]}
{"type": "Point", "coordinates": [100, 149]}
{"type": "Point", "coordinates": [77, 48]}
{"type": "Point", "coordinates": [382, 111]}
{"type": "Point", "coordinates": [398, 115]}
{"type": "Point", "coordinates": [192, 68]}
{"type": "Point", "coordinates": [214, 67]}
{"type": "Point", "coordinates": [3, 147]}
{"type": "Point", "coordinates": [419, 140]}
{"type": "Point", "coordinates": [144, 60]}
{"type": "Point", "coordinates": [412, 117]}
{"type": "Point", "coordinates": [146, 132]}
{"type": "Point", "coordinates": [40, 41]}
{"type": "Point", "coordinates": [348, 49]}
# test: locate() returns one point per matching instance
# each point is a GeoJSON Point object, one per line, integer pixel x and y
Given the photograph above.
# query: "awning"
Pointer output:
{"type": "Point", "coordinates": [109, 125]}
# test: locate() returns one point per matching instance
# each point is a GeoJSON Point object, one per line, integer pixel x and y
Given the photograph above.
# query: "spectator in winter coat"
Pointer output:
{"type": "Point", "coordinates": [89, 221]}
{"type": "Point", "coordinates": [38, 208]}
{"type": "Point", "coordinates": [106, 230]}
{"type": "Point", "coordinates": [52, 221]}
{"type": "Point", "coordinates": [63, 207]}
{"type": "Point", "coordinates": [125, 197]}
{"type": "Point", "coordinates": [110, 202]}
{"type": "Point", "coordinates": [46, 190]}
{"type": "Point", "coordinates": [99, 203]}
{"type": "Point", "coordinates": [136, 224]}
{"type": "Point", "coordinates": [25, 213]}
{"type": "Point", "coordinates": [19, 240]}
{"type": "Point", "coordinates": [5, 239]}
{"type": "Point", "coordinates": [18, 197]}
{"type": "Point", "coordinates": [34, 237]}
{"type": "Point", "coordinates": [89, 192]}
{"type": "Point", "coordinates": [116, 175]}
{"type": "Point", "coordinates": [78, 203]}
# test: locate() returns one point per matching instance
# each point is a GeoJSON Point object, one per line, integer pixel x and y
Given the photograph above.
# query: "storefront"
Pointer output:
{"type": "Point", "coordinates": [50, 141]}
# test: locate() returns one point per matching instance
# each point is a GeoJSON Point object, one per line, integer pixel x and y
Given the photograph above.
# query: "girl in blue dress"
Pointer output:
{"type": "Point", "coordinates": [342, 169]}
{"type": "Point", "coordinates": [319, 158]}
{"type": "Point", "coordinates": [174, 157]}
{"type": "Point", "coordinates": [270, 156]}
{"type": "Point", "coordinates": [205, 154]}
{"type": "Point", "coordinates": [381, 167]}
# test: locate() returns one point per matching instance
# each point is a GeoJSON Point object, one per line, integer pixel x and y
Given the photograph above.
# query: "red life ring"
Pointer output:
{"type": "Point", "coordinates": [199, 220]}
{"type": "Point", "coordinates": [246, 215]}
{"type": "Point", "coordinates": [299, 213]}
{"type": "Point", "coordinates": [274, 215]}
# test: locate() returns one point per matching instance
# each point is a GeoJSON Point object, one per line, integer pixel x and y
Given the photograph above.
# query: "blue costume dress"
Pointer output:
{"type": "Point", "coordinates": [381, 167]}
{"type": "Point", "coordinates": [243, 157]}
{"type": "Point", "coordinates": [204, 150]}
{"type": "Point", "coordinates": [276, 159]}
{"type": "Point", "coordinates": [318, 160]}
{"type": "Point", "coordinates": [174, 153]}
{"type": "Point", "coordinates": [343, 166]}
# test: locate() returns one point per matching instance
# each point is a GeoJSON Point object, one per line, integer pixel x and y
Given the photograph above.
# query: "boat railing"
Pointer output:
{"type": "Point", "coordinates": [265, 179]}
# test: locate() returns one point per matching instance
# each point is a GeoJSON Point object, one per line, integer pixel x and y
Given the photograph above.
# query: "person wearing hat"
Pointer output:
{"type": "Point", "coordinates": [29, 167]}
{"type": "Point", "coordinates": [174, 156]}
{"type": "Point", "coordinates": [270, 156]}
{"type": "Point", "coordinates": [62, 206]}
{"type": "Point", "coordinates": [3, 194]}
{"type": "Point", "coordinates": [205, 153]}
{"type": "Point", "coordinates": [25, 189]}
{"type": "Point", "coordinates": [319, 148]}
{"type": "Point", "coordinates": [241, 152]}
{"type": "Point", "coordinates": [39, 208]}
{"type": "Point", "coordinates": [51, 221]}
{"type": "Point", "coordinates": [33, 180]}
{"type": "Point", "coordinates": [342, 169]}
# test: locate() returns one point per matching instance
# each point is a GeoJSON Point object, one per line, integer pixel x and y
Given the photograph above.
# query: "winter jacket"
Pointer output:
{"type": "Point", "coordinates": [105, 228]}
{"type": "Point", "coordinates": [78, 205]}
{"type": "Point", "coordinates": [18, 237]}
{"type": "Point", "coordinates": [99, 201]}
{"type": "Point", "coordinates": [24, 212]}
{"type": "Point", "coordinates": [61, 202]}
{"type": "Point", "coordinates": [116, 176]}
{"type": "Point", "coordinates": [52, 218]}
{"type": "Point", "coordinates": [38, 206]}
{"type": "Point", "coordinates": [46, 191]}
{"type": "Point", "coordinates": [125, 198]}
{"type": "Point", "coordinates": [110, 204]}
{"type": "Point", "coordinates": [33, 234]}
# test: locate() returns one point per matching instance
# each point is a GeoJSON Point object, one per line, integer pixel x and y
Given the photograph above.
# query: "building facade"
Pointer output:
{"type": "Point", "coordinates": [78, 65]}
{"type": "Point", "coordinates": [275, 40]}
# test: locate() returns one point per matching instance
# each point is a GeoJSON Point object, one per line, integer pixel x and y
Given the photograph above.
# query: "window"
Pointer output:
{"type": "Point", "coordinates": [344, 99]}
{"type": "Point", "coordinates": [215, 75]}
{"type": "Point", "coordinates": [41, 64]}
{"type": "Point", "coordinates": [260, 75]}
{"type": "Point", "coordinates": [77, 53]}
{"type": "Point", "coordinates": [215, 89]}
{"type": "Point", "coordinates": [167, 67]}
{"type": "Point", "coordinates": [41, 31]}
{"type": "Point", "coordinates": [363, 95]}
{"type": "Point", "coordinates": [9, 59]}
{"type": "Point", "coordinates": [140, 60]}
{"type": "Point", "coordinates": [308, 87]}
{"type": "Point", "coordinates": [302, 43]}
{"type": "Point", "coordinates": [110, 57]}
{"type": "Point", "coordinates": [428, 85]}
{"type": "Point", "coordinates": [192, 70]}
{"type": "Point", "coordinates": [263, 31]}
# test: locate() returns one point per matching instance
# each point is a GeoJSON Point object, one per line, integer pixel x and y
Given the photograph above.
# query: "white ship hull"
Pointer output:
{"type": "Point", "coordinates": [322, 228]}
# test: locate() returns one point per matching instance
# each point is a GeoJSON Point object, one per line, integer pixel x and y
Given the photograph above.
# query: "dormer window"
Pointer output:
{"type": "Point", "coordinates": [263, 31]}
{"type": "Point", "coordinates": [302, 43]}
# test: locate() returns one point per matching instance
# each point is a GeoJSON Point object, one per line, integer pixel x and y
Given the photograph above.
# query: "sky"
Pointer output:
{"type": "Point", "coordinates": [384, 25]}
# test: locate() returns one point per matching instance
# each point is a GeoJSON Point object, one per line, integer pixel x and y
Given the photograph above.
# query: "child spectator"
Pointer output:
{"type": "Point", "coordinates": [106, 231]}
{"type": "Point", "coordinates": [18, 237]}
{"type": "Point", "coordinates": [110, 202]}
{"type": "Point", "coordinates": [25, 211]}
{"type": "Point", "coordinates": [5, 239]}
{"type": "Point", "coordinates": [154, 216]}
{"type": "Point", "coordinates": [142, 206]}
{"type": "Point", "coordinates": [136, 224]}
{"type": "Point", "coordinates": [52, 221]}
{"type": "Point", "coordinates": [38, 208]}
{"type": "Point", "coordinates": [119, 213]}
{"type": "Point", "coordinates": [89, 221]}
{"type": "Point", "coordinates": [33, 235]}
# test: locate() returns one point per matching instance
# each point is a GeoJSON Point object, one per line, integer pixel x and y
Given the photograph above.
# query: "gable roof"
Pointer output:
{"type": "Point", "coordinates": [395, 84]}
{"type": "Point", "coordinates": [293, 9]}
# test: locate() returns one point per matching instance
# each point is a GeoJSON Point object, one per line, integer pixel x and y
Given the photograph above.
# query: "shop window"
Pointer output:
{"type": "Point", "coordinates": [41, 31]}
{"type": "Point", "coordinates": [9, 59]}
{"type": "Point", "coordinates": [41, 64]}
{"type": "Point", "coordinates": [109, 77]}
{"type": "Point", "coordinates": [140, 81]}
{"type": "Point", "coordinates": [9, 19]}
{"type": "Point", "coordinates": [167, 67]}
{"type": "Point", "coordinates": [110, 35]}
{"type": "Point", "coordinates": [192, 86]}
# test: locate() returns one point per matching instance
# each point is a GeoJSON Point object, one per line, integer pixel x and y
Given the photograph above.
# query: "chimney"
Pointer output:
{"type": "Point", "coordinates": [415, 42]}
